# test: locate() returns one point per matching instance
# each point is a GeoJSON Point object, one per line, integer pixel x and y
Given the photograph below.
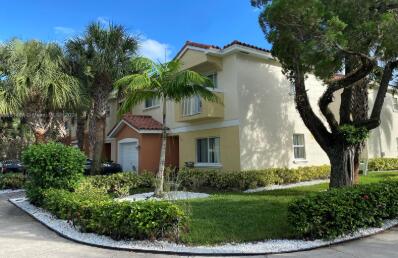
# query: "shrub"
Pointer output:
{"type": "Point", "coordinates": [97, 213]}
{"type": "Point", "coordinates": [242, 180]}
{"type": "Point", "coordinates": [12, 181]}
{"type": "Point", "coordinates": [344, 210]}
{"type": "Point", "coordinates": [378, 164]}
{"type": "Point", "coordinates": [120, 184]}
{"type": "Point", "coordinates": [52, 165]}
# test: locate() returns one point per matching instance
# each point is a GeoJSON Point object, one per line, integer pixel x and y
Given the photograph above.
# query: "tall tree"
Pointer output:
{"type": "Point", "coordinates": [166, 82]}
{"type": "Point", "coordinates": [103, 55]}
{"type": "Point", "coordinates": [35, 83]}
{"type": "Point", "coordinates": [324, 37]}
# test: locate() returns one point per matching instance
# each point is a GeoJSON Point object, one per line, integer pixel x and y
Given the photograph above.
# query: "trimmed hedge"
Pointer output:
{"type": "Point", "coordinates": [379, 164]}
{"type": "Point", "coordinates": [225, 181]}
{"type": "Point", "coordinates": [12, 181]}
{"type": "Point", "coordinates": [341, 211]}
{"type": "Point", "coordinates": [52, 165]}
{"type": "Point", "coordinates": [98, 213]}
{"type": "Point", "coordinates": [120, 184]}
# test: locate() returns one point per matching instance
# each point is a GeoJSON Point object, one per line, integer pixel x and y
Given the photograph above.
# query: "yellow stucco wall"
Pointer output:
{"type": "Point", "coordinates": [229, 146]}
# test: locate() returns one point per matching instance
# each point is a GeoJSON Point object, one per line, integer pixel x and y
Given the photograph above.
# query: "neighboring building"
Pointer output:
{"type": "Point", "coordinates": [257, 126]}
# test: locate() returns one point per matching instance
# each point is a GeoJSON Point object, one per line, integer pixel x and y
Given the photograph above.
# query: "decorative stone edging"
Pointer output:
{"type": "Point", "coordinates": [9, 191]}
{"type": "Point", "coordinates": [67, 230]}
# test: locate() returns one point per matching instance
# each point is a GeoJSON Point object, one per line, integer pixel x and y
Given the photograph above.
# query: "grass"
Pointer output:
{"type": "Point", "coordinates": [239, 217]}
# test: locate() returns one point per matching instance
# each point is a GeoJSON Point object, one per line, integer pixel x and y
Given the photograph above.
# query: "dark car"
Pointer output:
{"type": "Point", "coordinates": [12, 166]}
{"type": "Point", "coordinates": [108, 167]}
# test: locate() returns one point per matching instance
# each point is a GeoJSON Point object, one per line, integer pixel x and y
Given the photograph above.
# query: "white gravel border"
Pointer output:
{"type": "Point", "coordinates": [170, 196]}
{"type": "Point", "coordinates": [276, 187]}
{"type": "Point", "coordinates": [67, 230]}
{"type": "Point", "coordinates": [8, 191]}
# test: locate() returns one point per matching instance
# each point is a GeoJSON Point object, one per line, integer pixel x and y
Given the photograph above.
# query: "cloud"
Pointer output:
{"type": "Point", "coordinates": [63, 30]}
{"type": "Point", "coordinates": [103, 20]}
{"type": "Point", "coordinates": [155, 50]}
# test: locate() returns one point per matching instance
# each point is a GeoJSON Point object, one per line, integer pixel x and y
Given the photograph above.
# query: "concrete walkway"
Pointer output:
{"type": "Point", "coordinates": [22, 236]}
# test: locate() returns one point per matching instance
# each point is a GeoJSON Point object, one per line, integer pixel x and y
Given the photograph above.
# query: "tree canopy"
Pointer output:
{"type": "Point", "coordinates": [357, 39]}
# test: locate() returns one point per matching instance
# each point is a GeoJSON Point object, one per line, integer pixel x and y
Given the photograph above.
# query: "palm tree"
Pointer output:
{"type": "Point", "coordinates": [103, 56]}
{"type": "Point", "coordinates": [164, 82]}
{"type": "Point", "coordinates": [35, 82]}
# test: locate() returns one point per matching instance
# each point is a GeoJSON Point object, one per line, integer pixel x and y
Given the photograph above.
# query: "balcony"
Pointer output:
{"type": "Point", "coordinates": [195, 109]}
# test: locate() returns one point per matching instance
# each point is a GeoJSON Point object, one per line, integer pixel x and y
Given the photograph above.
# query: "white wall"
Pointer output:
{"type": "Point", "coordinates": [268, 118]}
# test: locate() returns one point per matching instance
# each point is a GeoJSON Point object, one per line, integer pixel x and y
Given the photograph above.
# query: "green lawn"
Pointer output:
{"type": "Point", "coordinates": [238, 217]}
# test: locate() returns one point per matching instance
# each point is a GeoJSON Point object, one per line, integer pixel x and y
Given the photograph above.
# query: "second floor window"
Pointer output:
{"type": "Point", "coordinates": [395, 103]}
{"type": "Point", "coordinates": [151, 102]}
{"type": "Point", "coordinates": [191, 106]}
{"type": "Point", "coordinates": [213, 78]}
{"type": "Point", "coordinates": [298, 146]}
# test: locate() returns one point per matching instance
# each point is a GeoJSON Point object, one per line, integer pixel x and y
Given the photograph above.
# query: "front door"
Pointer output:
{"type": "Point", "coordinates": [129, 156]}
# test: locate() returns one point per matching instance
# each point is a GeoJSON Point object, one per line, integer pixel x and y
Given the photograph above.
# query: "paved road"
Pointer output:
{"type": "Point", "coordinates": [22, 236]}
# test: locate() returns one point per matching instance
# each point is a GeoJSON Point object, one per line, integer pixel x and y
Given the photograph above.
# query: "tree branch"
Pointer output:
{"type": "Point", "coordinates": [374, 120]}
{"type": "Point", "coordinates": [310, 119]}
{"type": "Point", "coordinates": [337, 84]}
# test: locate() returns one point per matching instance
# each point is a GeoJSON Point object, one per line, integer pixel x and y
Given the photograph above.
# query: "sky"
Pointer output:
{"type": "Point", "coordinates": [160, 24]}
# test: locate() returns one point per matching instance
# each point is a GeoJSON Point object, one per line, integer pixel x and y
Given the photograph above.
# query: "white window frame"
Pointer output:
{"type": "Point", "coordinates": [217, 163]}
{"type": "Point", "coordinates": [214, 79]}
{"type": "Point", "coordinates": [191, 106]}
{"type": "Point", "coordinates": [299, 146]}
{"type": "Point", "coordinates": [153, 101]}
{"type": "Point", "coordinates": [395, 103]}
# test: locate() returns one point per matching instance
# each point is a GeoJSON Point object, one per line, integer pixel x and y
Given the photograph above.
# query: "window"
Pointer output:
{"type": "Point", "coordinates": [208, 150]}
{"type": "Point", "coordinates": [151, 102]}
{"type": "Point", "coordinates": [396, 139]}
{"type": "Point", "coordinates": [298, 146]}
{"type": "Point", "coordinates": [191, 106]}
{"type": "Point", "coordinates": [292, 89]}
{"type": "Point", "coordinates": [213, 78]}
{"type": "Point", "coordinates": [395, 103]}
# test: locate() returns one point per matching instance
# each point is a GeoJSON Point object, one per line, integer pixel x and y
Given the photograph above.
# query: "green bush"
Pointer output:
{"type": "Point", "coordinates": [379, 164]}
{"type": "Point", "coordinates": [344, 210]}
{"type": "Point", "coordinates": [97, 213]}
{"type": "Point", "coordinates": [12, 181]}
{"type": "Point", "coordinates": [120, 184]}
{"type": "Point", "coordinates": [52, 165]}
{"type": "Point", "coordinates": [225, 180]}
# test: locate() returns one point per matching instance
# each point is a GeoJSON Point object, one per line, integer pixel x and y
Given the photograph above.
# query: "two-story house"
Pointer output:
{"type": "Point", "coordinates": [256, 126]}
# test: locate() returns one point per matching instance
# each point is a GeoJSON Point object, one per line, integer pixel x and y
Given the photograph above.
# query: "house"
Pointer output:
{"type": "Point", "coordinates": [256, 126]}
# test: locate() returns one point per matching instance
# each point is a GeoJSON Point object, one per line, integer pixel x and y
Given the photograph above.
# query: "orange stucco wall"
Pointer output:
{"type": "Point", "coordinates": [149, 150]}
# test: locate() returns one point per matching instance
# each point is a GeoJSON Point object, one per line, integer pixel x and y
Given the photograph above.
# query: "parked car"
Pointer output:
{"type": "Point", "coordinates": [12, 166]}
{"type": "Point", "coordinates": [108, 167]}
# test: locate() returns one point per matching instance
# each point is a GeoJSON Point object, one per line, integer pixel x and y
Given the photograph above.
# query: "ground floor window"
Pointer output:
{"type": "Point", "coordinates": [298, 146]}
{"type": "Point", "coordinates": [208, 150]}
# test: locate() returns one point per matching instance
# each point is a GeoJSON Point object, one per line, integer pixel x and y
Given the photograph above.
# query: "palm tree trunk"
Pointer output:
{"type": "Point", "coordinates": [99, 145]}
{"type": "Point", "coordinates": [160, 174]}
{"type": "Point", "coordinates": [80, 127]}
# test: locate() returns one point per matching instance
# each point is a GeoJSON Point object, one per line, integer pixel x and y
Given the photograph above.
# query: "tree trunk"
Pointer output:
{"type": "Point", "coordinates": [92, 126]}
{"type": "Point", "coordinates": [160, 174]}
{"type": "Point", "coordinates": [80, 128]}
{"type": "Point", "coordinates": [98, 147]}
{"type": "Point", "coordinates": [342, 165]}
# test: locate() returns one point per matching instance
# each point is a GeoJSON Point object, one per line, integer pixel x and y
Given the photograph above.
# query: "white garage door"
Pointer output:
{"type": "Point", "coordinates": [128, 156]}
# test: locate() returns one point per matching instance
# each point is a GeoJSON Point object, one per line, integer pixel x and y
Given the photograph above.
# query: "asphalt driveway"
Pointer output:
{"type": "Point", "coordinates": [22, 236]}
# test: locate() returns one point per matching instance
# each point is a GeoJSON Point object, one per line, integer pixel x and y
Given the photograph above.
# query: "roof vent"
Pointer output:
{"type": "Point", "coordinates": [244, 52]}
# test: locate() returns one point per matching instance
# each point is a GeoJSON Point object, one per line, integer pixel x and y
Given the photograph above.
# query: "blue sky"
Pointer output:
{"type": "Point", "coordinates": [160, 23]}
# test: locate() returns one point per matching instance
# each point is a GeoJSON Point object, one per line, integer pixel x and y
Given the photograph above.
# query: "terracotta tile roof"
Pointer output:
{"type": "Point", "coordinates": [237, 42]}
{"type": "Point", "coordinates": [142, 122]}
{"type": "Point", "coordinates": [206, 46]}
